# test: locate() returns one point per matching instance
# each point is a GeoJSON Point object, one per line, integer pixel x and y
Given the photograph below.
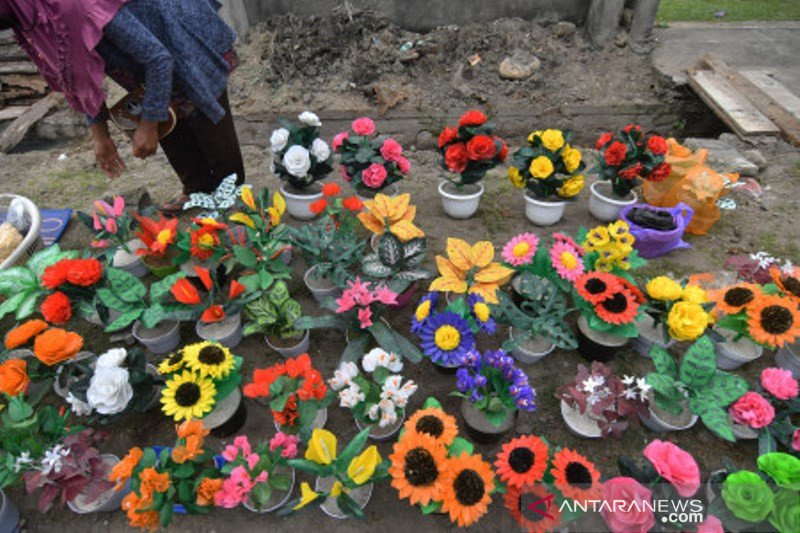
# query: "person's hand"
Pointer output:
{"type": "Point", "coordinates": [145, 139]}
{"type": "Point", "coordinates": [107, 157]}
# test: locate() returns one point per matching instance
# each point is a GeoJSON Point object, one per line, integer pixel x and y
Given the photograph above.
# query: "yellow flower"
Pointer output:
{"type": "Point", "coordinates": [164, 236]}
{"type": "Point", "coordinates": [695, 294]}
{"type": "Point", "coordinates": [277, 210]}
{"type": "Point", "coordinates": [618, 228]}
{"type": "Point", "coordinates": [533, 135]}
{"type": "Point", "coordinates": [247, 197]}
{"type": "Point", "coordinates": [321, 447]}
{"type": "Point", "coordinates": [571, 158]}
{"type": "Point", "coordinates": [188, 395]}
{"type": "Point", "coordinates": [597, 238]}
{"type": "Point", "coordinates": [552, 139]}
{"type": "Point", "coordinates": [423, 311]}
{"type": "Point", "coordinates": [687, 321]}
{"type": "Point", "coordinates": [625, 239]}
{"type": "Point", "coordinates": [470, 269]}
{"type": "Point", "coordinates": [307, 495]}
{"type": "Point", "coordinates": [541, 167]}
{"type": "Point", "coordinates": [516, 178]}
{"type": "Point", "coordinates": [603, 265]}
{"type": "Point", "coordinates": [393, 214]}
{"type": "Point", "coordinates": [243, 218]}
{"type": "Point", "coordinates": [337, 489]}
{"type": "Point", "coordinates": [664, 288]}
{"type": "Point", "coordinates": [571, 187]}
{"type": "Point", "coordinates": [447, 337]}
{"type": "Point", "coordinates": [363, 466]}
{"type": "Point", "coordinates": [481, 311]}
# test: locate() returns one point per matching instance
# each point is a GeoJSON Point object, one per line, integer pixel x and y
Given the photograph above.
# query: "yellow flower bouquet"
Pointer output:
{"type": "Point", "coordinates": [684, 310]}
{"type": "Point", "coordinates": [549, 167]}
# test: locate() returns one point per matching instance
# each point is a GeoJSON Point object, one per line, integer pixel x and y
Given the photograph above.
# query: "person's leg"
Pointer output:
{"type": "Point", "coordinates": [184, 154]}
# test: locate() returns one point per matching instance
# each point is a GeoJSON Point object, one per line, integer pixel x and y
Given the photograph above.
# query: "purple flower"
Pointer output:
{"type": "Point", "coordinates": [446, 339]}
{"type": "Point", "coordinates": [476, 396]}
{"type": "Point", "coordinates": [424, 310]}
{"type": "Point", "coordinates": [480, 380]}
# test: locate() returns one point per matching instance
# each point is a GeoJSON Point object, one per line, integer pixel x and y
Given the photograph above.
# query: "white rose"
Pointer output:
{"type": "Point", "coordinates": [113, 357]}
{"type": "Point", "coordinates": [278, 139]}
{"type": "Point", "coordinates": [297, 161]}
{"type": "Point", "coordinates": [373, 412]}
{"type": "Point", "coordinates": [79, 407]}
{"type": "Point", "coordinates": [320, 149]}
{"type": "Point", "coordinates": [109, 390]}
{"type": "Point", "coordinates": [371, 358]}
{"type": "Point", "coordinates": [310, 119]}
{"type": "Point", "coordinates": [343, 376]}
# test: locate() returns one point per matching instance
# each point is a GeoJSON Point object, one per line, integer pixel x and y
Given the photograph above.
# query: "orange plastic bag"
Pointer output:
{"type": "Point", "coordinates": [681, 159]}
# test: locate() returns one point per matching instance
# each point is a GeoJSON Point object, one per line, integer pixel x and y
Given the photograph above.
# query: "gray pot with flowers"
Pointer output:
{"type": "Point", "coordinates": [273, 315]}
{"type": "Point", "coordinates": [398, 264]}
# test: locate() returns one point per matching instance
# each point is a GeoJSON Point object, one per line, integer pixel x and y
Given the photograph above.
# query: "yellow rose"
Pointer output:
{"type": "Point", "coordinates": [533, 135]}
{"type": "Point", "coordinates": [571, 187]}
{"type": "Point", "coordinates": [552, 139]}
{"type": "Point", "coordinates": [687, 321]}
{"type": "Point", "coordinates": [695, 294]}
{"type": "Point", "coordinates": [664, 288]}
{"type": "Point", "coordinates": [541, 167]}
{"type": "Point", "coordinates": [572, 159]}
{"type": "Point", "coordinates": [516, 178]}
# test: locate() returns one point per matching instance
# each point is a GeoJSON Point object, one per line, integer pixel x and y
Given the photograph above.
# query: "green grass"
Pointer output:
{"type": "Point", "coordinates": [735, 10]}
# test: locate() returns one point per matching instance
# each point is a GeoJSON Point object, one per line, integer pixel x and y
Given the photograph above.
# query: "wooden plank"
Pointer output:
{"type": "Point", "coordinates": [18, 67]}
{"type": "Point", "coordinates": [775, 90]}
{"type": "Point", "coordinates": [13, 111]}
{"type": "Point", "coordinates": [16, 131]}
{"type": "Point", "coordinates": [28, 81]}
{"type": "Point", "coordinates": [733, 108]}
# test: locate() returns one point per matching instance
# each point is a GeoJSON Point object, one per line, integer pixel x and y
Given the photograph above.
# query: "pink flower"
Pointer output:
{"type": "Point", "coordinates": [391, 150]}
{"type": "Point", "coordinates": [385, 295]}
{"type": "Point", "coordinates": [569, 240]}
{"type": "Point", "coordinates": [240, 476]}
{"type": "Point", "coordinates": [752, 410]}
{"type": "Point", "coordinates": [634, 517]}
{"type": "Point", "coordinates": [365, 317]}
{"type": "Point", "coordinates": [403, 164]}
{"type": "Point", "coordinates": [796, 439]}
{"type": "Point", "coordinates": [290, 451]}
{"type": "Point", "coordinates": [261, 478]}
{"type": "Point", "coordinates": [360, 292]}
{"type": "Point", "coordinates": [252, 460]}
{"type": "Point", "coordinates": [520, 249]}
{"type": "Point", "coordinates": [710, 525]}
{"type": "Point", "coordinates": [345, 302]}
{"type": "Point", "coordinates": [111, 225]}
{"type": "Point", "coordinates": [230, 453]}
{"type": "Point", "coordinates": [675, 465]}
{"type": "Point", "coordinates": [345, 175]}
{"type": "Point", "coordinates": [374, 176]}
{"type": "Point", "coordinates": [243, 444]}
{"type": "Point", "coordinates": [103, 243]}
{"type": "Point", "coordinates": [779, 382]}
{"type": "Point", "coordinates": [288, 442]}
{"type": "Point", "coordinates": [363, 126]}
{"type": "Point", "coordinates": [96, 222]}
{"type": "Point", "coordinates": [339, 139]}
{"type": "Point", "coordinates": [566, 260]}
{"type": "Point", "coordinates": [277, 441]}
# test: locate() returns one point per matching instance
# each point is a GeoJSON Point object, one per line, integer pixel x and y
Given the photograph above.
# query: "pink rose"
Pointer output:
{"type": "Point", "coordinates": [345, 175]}
{"type": "Point", "coordinates": [403, 164]}
{"type": "Point", "coordinates": [391, 150]}
{"type": "Point", "coordinates": [796, 439]}
{"type": "Point", "coordinates": [374, 176]}
{"type": "Point", "coordinates": [363, 126]}
{"type": "Point", "coordinates": [675, 465]}
{"type": "Point", "coordinates": [710, 525]}
{"type": "Point", "coordinates": [243, 444]}
{"type": "Point", "coordinates": [752, 410]}
{"type": "Point", "coordinates": [631, 517]}
{"type": "Point", "coordinates": [339, 139]}
{"type": "Point", "coordinates": [779, 382]}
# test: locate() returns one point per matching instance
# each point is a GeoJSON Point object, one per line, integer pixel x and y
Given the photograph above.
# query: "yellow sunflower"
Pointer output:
{"type": "Point", "coordinates": [172, 363]}
{"type": "Point", "coordinates": [188, 395]}
{"type": "Point", "coordinates": [209, 359]}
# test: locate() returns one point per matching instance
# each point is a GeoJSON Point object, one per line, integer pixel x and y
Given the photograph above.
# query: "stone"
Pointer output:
{"type": "Point", "coordinates": [519, 66]}
{"type": "Point", "coordinates": [723, 157]}
{"type": "Point", "coordinates": [627, 18]}
{"type": "Point", "coordinates": [621, 38]}
{"type": "Point", "coordinates": [425, 141]}
{"type": "Point", "coordinates": [562, 29]}
{"type": "Point", "coordinates": [756, 157]}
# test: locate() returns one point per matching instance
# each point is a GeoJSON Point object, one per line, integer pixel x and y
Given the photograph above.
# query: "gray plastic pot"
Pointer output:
{"type": "Point", "coordinates": [524, 355]}
{"type": "Point", "coordinates": [788, 358]}
{"type": "Point", "coordinates": [227, 332]}
{"type": "Point", "coordinates": [376, 432]}
{"type": "Point", "coordinates": [649, 336]}
{"type": "Point", "coordinates": [278, 502]}
{"type": "Point", "coordinates": [161, 342]}
{"type": "Point", "coordinates": [320, 294]}
{"type": "Point", "coordinates": [9, 515]}
{"type": "Point", "coordinates": [732, 355]}
{"type": "Point", "coordinates": [130, 262]}
{"type": "Point", "coordinates": [291, 351]}
{"type": "Point", "coordinates": [330, 507]}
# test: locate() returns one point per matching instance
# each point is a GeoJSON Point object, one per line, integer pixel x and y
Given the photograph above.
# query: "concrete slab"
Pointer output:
{"type": "Point", "coordinates": [723, 157]}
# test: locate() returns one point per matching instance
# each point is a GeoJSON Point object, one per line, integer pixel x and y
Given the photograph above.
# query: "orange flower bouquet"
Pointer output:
{"type": "Point", "coordinates": [762, 314]}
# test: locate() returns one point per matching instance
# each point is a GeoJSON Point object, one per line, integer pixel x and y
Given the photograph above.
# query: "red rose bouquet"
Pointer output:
{"type": "Point", "coordinates": [471, 149]}
{"type": "Point", "coordinates": [73, 282]}
{"type": "Point", "coordinates": [629, 156]}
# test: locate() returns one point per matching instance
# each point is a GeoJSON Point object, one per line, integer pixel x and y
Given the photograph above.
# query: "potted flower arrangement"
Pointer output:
{"type": "Point", "coordinates": [469, 151]}
{"type": "Point", "coordinates": [549, 171]}
{"type": "Point", "coordinates": [762, 268]}
{"type": "Point", "coordinates": [205, 242]}
{"type": "Point", "coordinates": [766, 413]}
{"type": "Point", "coordinates": [300, 158]}
{"type": "Point", "coordinates": [258, 477]}
{"type": "Point", "coordinates": [370, 163]}
{"type": "Point", "coordinates": [493, 391]}
{"type": "Point", "coordinates": [202, 382]}
{"type": "Point", "coordinates": [273, 315]}
{"type": "Point", "coordinates": [297, 395]}
{"type": "Point", "coordinates": [73, 285]}
{"type": "Point", "coordinates": [390, 214]}
{"type": "Point", "coordinates": [113, 232]}
{"type": "Point", "coordinates": [598, 403]}
{"type": "Point", "coordinates": [694, 389]}
{"type": "Point", "coordinates": [158, 237]}
{"type": "Point", "coordinates": [52, 347]}
{"type": "Point", "coordinates": [469, 269]}
{"type": "Point", "coordinates": [787, 278]}
{"type": "Point", "coordinates": [625, 159]}
{"type": "Point", "coordinates": [358, 312]}
{"type": "Point", "coordinates": [164, 481]}
{"type": "Point", "coordinates": [344, 481]}
{"type": "Point", "coordinates": [378, 400]}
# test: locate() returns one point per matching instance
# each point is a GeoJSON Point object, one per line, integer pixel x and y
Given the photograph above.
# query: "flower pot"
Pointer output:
{"type": "Point", "coordinates": [480, 429]}
{"type": "Point", "coordinates": [580, 424]}
{"type": "Point", "coordinates": [94, 318]}
{"type": "Point", "coordinates": [378, 433]}
{"type": "Point", "coordinates": [9, 514]}
{"type": "Point", "coordinates": [743, 432]}
{"type": "Point", "coordinates": [532, 350]}
{"type": "Point", "coordinates": [161, 339]}
{"type": "Point", "coordinates": [360, 495]}
{"type": "Point", "coordinates": [300, 347]}
{"type": "Point", "coordinates": [651, 243]}
{"type": "Point", "coordinates": [107, 502]}
{"type": "Point", "coordinates": [788, 358]}
{"type": "Point", "coordinates": [596, 345]}
{"type": "Point", "coordinates": [365, 193]}
{"type": "Point", "coordinates": [649, 335]}
{"type": "Point", "coordinates": [318, 423]}
{"type": "Point", "coordinates": [228, 415]}
{"type": "Point", "coordinates": [321, 288]}
{"type": "Point", "coordinates": [460, 204]}
{"type": "Point", "coordinates": [662, 421]}
{"type": "Point", "coordinates": [227, 332]}
{"type": "Point", "coordinates": [732, 355]}
{"type": "Point", "coordinates": [129, 261]}
{"type": "Point", "coordinates": [160, 267]}
{"type": "Point", "coordinates": [155, 401]}
{"type": "Point", "coordinates": [604, 205]}
{"type": "Point", "coordinates": [276, 499]}
{"type": "Point", "coordinates": [60, 384]}
{"type": "Point", "coordinates": [298, 203]}
{"type": "Point", "coordinates": [542, 212]}
{"type": "Point", "coordinates": [34, 387]}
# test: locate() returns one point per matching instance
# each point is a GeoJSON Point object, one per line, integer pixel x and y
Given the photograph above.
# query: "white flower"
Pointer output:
{"type": "Point", "coordinates": [644, 388]}
{"type": "Point", "coordinates": [109, 390]}
{"type": "Point", "coordinates": [391, 387]}
{"type": "Point", "coordinates": [351, 396]}
{"type": "Point", "coordinates": [406, 391]}
{"type": "Point", "coordinates": [25, 458]}
{"type": "Point", "coordinates": [297, 161]}
{"type": "Point", "coordinates": [787, 267]}
{"type": "Point", "coordinates": [630, 394]}
{"type": "Point", "coordinates": [391, 362]}
{"type": "Point", "coordinates": [388, 412]}
{"type": "Point", "coordinates": [112, 358]}
{"type": "Point", "coordinates": [343, 376]}
{"type": "Point", "coordinates": [321, 150]}
{"type": "Point", "coordinates": [370, 359]}
{"type": "Point", "coordinates": [309, 119]}
{"type": "Point", "coordinates": [51, 462]}
{"type": "Point", "coordinates": [278, 140]}
{"type": "Point", "coordinates": [628, 380]}
{"type": "Point", "coordinates": [373, 412]}
{"type": "Point", "coordinates": [79, 407]}
{"type": "Point", "coordinates": [593, 382]}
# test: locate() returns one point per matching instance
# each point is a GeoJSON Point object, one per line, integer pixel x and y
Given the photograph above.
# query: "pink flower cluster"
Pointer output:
{"type": "Point", "coordinates": [236, 488]}
{"type": "Point", "coordinates": [780, 383]}
{"type": "Point", "coordinates": [752, 410]}
{"type": "Point", "coordinates": [359, 295]}
{"type": "Point", "coordinates": [104, 218]}
{"type": "Point", "coordinates": [287, 442]}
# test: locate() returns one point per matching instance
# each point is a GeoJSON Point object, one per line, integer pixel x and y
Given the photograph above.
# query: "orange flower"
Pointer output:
{"type": "Point", "coordinates": [23, 333]}
{"type": "Point", "coordinates": [236, 290]}
{"type": "Point", "coordinates": [134, 506]}
{"type": "Point", "coordinates": [466, 490]}
{"type": "Point", "coordinates": [123, 470]}
{"type": "Point", "coordinates": [330, 189]}
{"type": "Point", "coordinates": [522, 461]}
{"type": "Point", "coordinates": [157, 235]}
{"type": "Point", "coordinates": [56, 345]}
{"type": "Point", "coordinates": [318, 206]}
{"type": "Point", "coordinates": [773, 320]}
{"type": "Point", "coordinates": [206, 491]}
{"type": "Point", "coordinates": [192, 432]}
{"type": "Point", "coordinates": [575, 476]}
{"type": "Point", "coordinates": [184, 292]}
{"type": "Point", "coordinates": [14, 377]}
{"type": "Point", "coordinates": [205, 276]}
{"type": "Point", "coordinates": [353, 203]}
{"type": "Point", "coordinates": [787, 282]}
{"type": "Point", "coordinates": [418, 464]}
{"type": "Point", "coordinates": [735, 298]}
{"type": "Point", "coordinates": [214, 313]}
{"type": "Point", "coordinates": [152, 481]}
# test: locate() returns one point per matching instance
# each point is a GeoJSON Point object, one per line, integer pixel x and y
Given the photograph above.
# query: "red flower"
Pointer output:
{"type": "Point", "coordinates": [184, 292]}
{"type": "Point", "coordinates": [330, 189]}
{"type": "Point", "coordinates": [632, 172]}
{"type": "Point", "coordinates": [660, 173]}
{"type": "Point", "coordinates": [318, 206]}
{"type": "Point", "coordinates": [298, 366]}
{"type": "Point", "coordinates": [481, 147]}
{"type": "Point", "coordinates": [632, 127]}
{"type": "Point", "coordinates": [603, 140]}
{"type": "Point", "coordinates": [657, 145]}
{"type": "Point", "coordinates": [236, 290]}
{"type": "Point", "coordinates": [57, 308]}
{"type": "Point", "coordinates": [472, 118]}
{"type": "Point", "coordinates": [84, 272]}
{"type": "Point", "coordinates": [262, 380]}
{"type": "Point", "coordinates": [204, 240]}
{"type": "Point", "coordinates": [353, 203]}
{"type": "Point", "coordinates": [214, 313]}
{"type": "Point", "coordinates": [447, 136]}
{"type": "Point", "coordinates": [615, 154]}
{"type": "Point", "coordinates": [503, 153]}
{"type": "Point", "coordinates": [456, 158]}
{"type": "Point", "coordinates": [54, 275]}
{"type": "Point", "coordinates": [205, 277]}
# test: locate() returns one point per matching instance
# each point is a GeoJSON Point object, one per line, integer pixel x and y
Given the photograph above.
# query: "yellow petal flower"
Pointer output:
{"type": "Point", "coordinates": [552, 139]}
{"type": "Point", "coordinates": [307, 495]}
{"type": "Point", "coordinates": [243, 218]}
{"type": "Point", "coordinates": [363, 466]}
{"type": "Point", "coordinates": [482, 253]}
{"type": "Point", "coordinates": [322, 447]}
{"type": "Point", "coordinates": [337, 489]}
{"type": "Point", "coordinates": [405, 230]}
{"type": "Point", "coordinates": [460, 253]}
{"type": "Point", "coordinates": [247, 197]}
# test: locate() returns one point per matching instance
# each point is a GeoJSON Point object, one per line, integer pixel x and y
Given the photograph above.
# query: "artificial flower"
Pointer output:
{"type": "Point", "coordinates": [522, 461]}
{"type": "Point", "coordinates": [185, 292]}
{"type": "Point", "coordinates": [423, 310]}
{"type": "Point", "coordinates": [157, 235]}
{"type": "Point", "coordinates": [731, 300]}
{"type": "Point", "coordinates": [595, 287]}
{"type": "Point", "coordinates": [516, 179]}
{"type": "Point", "coordinates": [520, 249]}
{"type": "Point", "coordinates": [538, 522]}
{"type": "Point", "coordinates": [541, 167]}
{"type": "Point", "coordinates": [213, 313]}
{"type": "Point", "coordinates": [56, 345]}
{"type": "Point", "coordinates": [664, 288]}
{"type": "Point", "coordinates": [392, 214]}
{"type": "Point", "coordinates": [109, 390]}
{"type": "Point", "coordinates": [566, 260]}
{"type": "Point", "coordinates": [307, 495]}
{"type": "Point", "coordinates": [204, 241]}
{"type": "Point", "coordinates": [363, 126]}
{"type": "Point", "coordinates": [206, 491]}
{"type": "Point", "coordinates": [781, 467]}
{"type": "Point", "coordinates": [446, 338]}
{"type": "Point", "coordinates": [752, 410]}
{"type": "Point", "coordinates": [417, 464]}
{"type": "Point", "coordinates": [552, 139]}
{"type": "Point", "coordinates": [122, 471]}
{"type": "Point", "coordinates": [687, 321]}
{"type": "Point", "coordinates": [619, 308]}
{"type": "Point", "coordinates": [23, 333]}
{"type": "Point", "coordinates": [575, 476]}
{"type": "Point", "coordinates": [56, 308]}
{"type": "Point", "coordinates": [571, 187]}
{"type": "Point", "coordinates": [362, 466]}
{"type": "Point", "coordinates": [278, 208]}
{"type": "Point", "coordinates": [695, 295]}
{"type": "Point", "coordinates": [627, 518]}
{"type": "Point", "coordinates": [780, 383]}
{"type": "Point", "coordinates": [470, 269]}
{"type": "Point", "coordinates": [472, 118]}
{"type": "Point", "coordinates": [321, 447]}
{"type": "Point", "coordinates": [773, 320]}
{"type": "Point", "coordinates": [14, 377]}
{"type": "Point", "coordinates": [481, 147]}
{"type": "Point", "coordinates": [785, 516]}
{"type": "Point", "coordinates": [435, 422]}
{"type": "Point", "coordinates": [466, 490]}
{"type": "Point", "coordinates": [675, 465]}
{"type": "Point", "coordinates": [172, 363]}
{"type": "Point", "coordinates": [187, 395]}
{"type": "Point", "coordinates": [748, 496]}
{"type": "Point", "coordinates": [297, 161]}
{"type": "Point", "coordinates": [209, 359]}
{"type": "Point", "coordinates": [787, 281]}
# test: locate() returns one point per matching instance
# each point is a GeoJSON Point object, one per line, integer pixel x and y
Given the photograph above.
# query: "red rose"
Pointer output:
{"type": "Point", "coordinates": [330, 189]}
{"type": "Point", "coordinates": [84, 272]}
{"type": "Point", "coordinates": [603, 140]}
{"type": "Point", "coordinates": [455, 158]}
{"type": "Point", "coordinates": [503, 153]}
{"type": "Point", "coordinates": [56, 308]}
{"type": "Point", "coordinates": [481, 147]}
{"type": "Point", "coordinates": [55, 275]}
{"type": "Point", "coordinates": [318, 206]}
{"type": "Point", "coordinates": [657, 145]}
{"type": "Point", "coordinates": [472, 118]}
{"type": "Point", "coordinates": [448, 135]}
{"type": "Point", "coordinates": [632, 127]}
{"type": "Point", "coordinates": [660, 173]}
{"type": "Point", "coordinates": [353, 203]}
{"type": "Point", "coordinates": [631, 172]}
{"type": "Point", "coordinates": [615, 154]}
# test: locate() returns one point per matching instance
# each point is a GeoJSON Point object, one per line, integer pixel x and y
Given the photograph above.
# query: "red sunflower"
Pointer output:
{"type": "Point", "coordinates": [619, 308]}
{"type": "Point", "coordinates": [517, 501]}
{"type": "Point", "coordinates": [788, 283]}
{"type": "Point", "coordinates": [638, 295]}
{"type": "Point", "coordinates": [594, 287]}
{"type": "Point", "coordinates": [522, 461]}
{"type": "Point", "coordinates": [575, 476]}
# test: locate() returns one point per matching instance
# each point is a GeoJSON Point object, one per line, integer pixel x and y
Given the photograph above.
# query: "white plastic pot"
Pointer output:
{"type": "Point", "coordinates": [299, 205]}
{"type": "Point", "coordinates": [460, 205]}
{"type": "Point", "coordinates": [542, 212]}
{"type": "Point", "coordinates": [227, 332]}
{"type": "Point", "coordinates": [527, 356]}
{"type": "Point", "coordinates": [361, 495]}
{"type": "Point", "coordinates": [158, 340]}
{"type": "Point", "coordinates": [107, 502]}
{"type": "Point", "coordinates": [788, 358]}
{"type": "Point", "coordinates": [320, 293]}
{"type": "Point", "coordinates": [291, 351]}
{"type": "Point", "coordinates": [228, 415]}
{"type": "Point", "coordinates": [655, 423]}
{"type": "Point", "coordinates": [732, 355]}
{"type": "Point", "coordinates": [603, 205]}
{"type": "Point", "coordinates": [580, 424]}
{"type": "Point", "coordinates": [130, 262]}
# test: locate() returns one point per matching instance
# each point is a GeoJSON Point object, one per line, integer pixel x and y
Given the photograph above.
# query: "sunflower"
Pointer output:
{"type": "Point", "coordinates": [522, 461]}
{"type": "Point", "coordinates": [787, 282]}
{"type": "Point", "coordinates": [434, 422]}
{"type": "Point", "coordinates": [773, 320]}
{"type": "Point", "coordinates": [187, 395]}
{"type": "Point", "coordinates": [417, 465]}
{"type": "Point", "coordinates": [466, 488]}
{"type": "Point", "coordinates": [638, 295]}
{"type": "Point", "coordinates": [446, 338]}
{"type": "Point", "coordinates": [594, 287]}
{"type": "Point", "coordinates": [575, 476]}
{"type": "Point", "coordinates": [732, 299]}
{"type": "Point", "coordinates": [619, 308]}
{"type": "Point", "coordinates": [517, 500]}
{"type": "Point", "coordinates": [209, 359]}
{"type": "Point", "coordinates": [172, 363]}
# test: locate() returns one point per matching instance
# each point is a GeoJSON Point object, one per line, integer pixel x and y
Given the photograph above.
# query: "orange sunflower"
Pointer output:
{"type": "Point", "coordinates": [619, 308]}
{"type": "Point", "coordinates": [466, 488]}
{"type": "Point", "coordinates": [575, 476]}
{"type": "Point", "coordinates": [732, 299]}
{"type": "Point", "coordinates": [522, 461]}
{"type": "Point", "coordinates": [517, 500]}
{"type": "Point", "coordinates": [788, 283]}
{"type": "Point", "coordinates": [773, 320]}
{"type": "Point", "coordinates": [418, 463]}
{"type": "Point", "coordinates": [594, 287]}
{"type": "Point", "coordinates": [435, 423]}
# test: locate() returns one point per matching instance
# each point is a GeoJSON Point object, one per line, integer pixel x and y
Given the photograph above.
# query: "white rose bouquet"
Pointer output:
{"type": "Point", "coordinates": [299, 156]}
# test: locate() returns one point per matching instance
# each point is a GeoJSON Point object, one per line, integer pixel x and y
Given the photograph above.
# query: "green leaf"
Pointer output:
{"type": "Point", "coordinates": [316, 322]}
{"type": "Point", "coordinates": [664, 362]}
{"type": "Point", "coordinates": [278, 294]}
{"type": "Point", "coordinates": [160, 289]}
{"type": "Point", "coordinates": [375, 269]}
{"type": "Point", "coordinates": [16, 278]}
{"type": "Point", "coordinates": [227, 385]}
{"type": "Point", "coordinates": [126, 286]}
{"type": "Point", "coordinates": [166, 515]}
{"type": "Point", "coordinates": [716, 419]}
{"type": "Point", "coordinates": [432, 507]}
{"type": "Point", "coordinates": [28, 305]}
{"type": "Point", "coordinates": [390, 250]}
{"type": "Point", "coordinates": [11, 304]}
{"type": "Point", "coordinates": [124, 320]}
{"type": "Point", "coordinates": [353, 448]}
{"type": "Point", "coordinates": [460, 446]}
{"type": "Point", "coordinates": [152, 316]}
{"type": "Point", "coordinates": [355, 349]}
{"type": "Point", "coordinates": [699, 364]}
{"type": "Point", "coordinates": [279, 402]}
{"type": "Point", "coordinates": [280, 482]}
{"type": "Point", "coordinates": [724, 389]}
{"type": "Point", "coordinates": [408, 350]}
{"type": "Point", "coordinates": [245, 256]}
{"type": "Point", "coordinates": [110, 300]}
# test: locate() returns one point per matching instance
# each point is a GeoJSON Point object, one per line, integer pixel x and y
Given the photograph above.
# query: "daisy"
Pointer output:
{"type": "Point", "coordinates": [520, 249]}
{"type": "Point", "coordinates": [566, 260]}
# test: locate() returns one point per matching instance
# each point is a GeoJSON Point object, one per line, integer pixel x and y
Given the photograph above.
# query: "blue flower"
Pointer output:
{"type": "Point", "coordinates": [424, 310]}
{"type": "Point", "coordinates": [446, 339]}
{"type": "Point", "coordinates": [481, 313]}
